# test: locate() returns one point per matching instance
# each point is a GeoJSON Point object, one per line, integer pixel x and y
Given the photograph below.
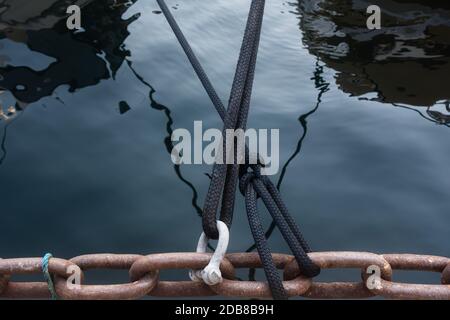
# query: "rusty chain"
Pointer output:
{"type": "Point", "coordinates": [144, 276]}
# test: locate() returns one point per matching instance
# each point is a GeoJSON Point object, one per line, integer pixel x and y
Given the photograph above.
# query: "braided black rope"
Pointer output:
{"type": "Point", "coordinates": [224, 177]}
{"type": "Point", "coordinates": [273, 278]}
{"type": "Point", "coordinates": [290, 231]}
{"type": "Point", "coordinates": [252, 184]}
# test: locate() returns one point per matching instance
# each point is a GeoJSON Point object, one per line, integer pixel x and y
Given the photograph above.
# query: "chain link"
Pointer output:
{"type": "Point", "coordinates": [134, 290]}
{"type": "Point", "coordinates": [345, 260]}
{"type": "Point", "coordinates": [144, 276]}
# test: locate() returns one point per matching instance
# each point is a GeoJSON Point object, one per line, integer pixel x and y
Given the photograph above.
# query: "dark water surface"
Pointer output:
{"type": "Point", "coordinates": [363, 116]}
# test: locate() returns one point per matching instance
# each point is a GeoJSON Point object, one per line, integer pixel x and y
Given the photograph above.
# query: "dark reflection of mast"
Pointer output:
{"type": "Point", "coordinates": [432, 116]}
{"type": "Point", "coordinates": [322, 86]}
{"type": "Point", "coordinates": [3, 145]}
{"type": "Point", "coordinates": [167, 140]}
{"type": "Point", "coordinates": [4, 138]}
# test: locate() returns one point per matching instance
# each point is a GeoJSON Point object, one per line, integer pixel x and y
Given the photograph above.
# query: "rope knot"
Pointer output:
{"type": "Point", "coordinates": [244, 180]}
{"type": "Point", "coordinates": [248, 173]}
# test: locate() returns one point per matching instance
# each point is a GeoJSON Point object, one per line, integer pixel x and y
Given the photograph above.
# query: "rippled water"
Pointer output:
{"type": "Point", "coordinates": [363, 118]}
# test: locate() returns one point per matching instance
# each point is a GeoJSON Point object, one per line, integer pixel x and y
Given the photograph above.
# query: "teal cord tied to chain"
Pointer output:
{"type": "Point", "coordinates": [48, 276]}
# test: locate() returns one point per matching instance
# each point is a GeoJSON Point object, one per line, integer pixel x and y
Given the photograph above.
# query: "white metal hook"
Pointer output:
{"type": "Point", "coordinates": [211, 274]}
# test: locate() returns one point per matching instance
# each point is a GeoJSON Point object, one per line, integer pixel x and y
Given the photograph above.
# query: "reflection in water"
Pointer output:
{"type": "Point", "coordinates": [8, 115]}
{"type": "Point", "coordinates": [439, 117]}
{"type": "Point", "coordinates": [407, 62]}
{"type": "Point", "coordinates": [3, 144]}
{"type": "Point", "coordinates": [8, 123]}
{"type": "Point", "coordinates": [431, 115]}
{"type": "Point", "coordinates": [322, 86]}
{"type": "Point", "coordinates": [19, 16]}
{"type": "Point", "coordinates": [81, 58]}
{"type": "Point", "coordinates": [167, 140]}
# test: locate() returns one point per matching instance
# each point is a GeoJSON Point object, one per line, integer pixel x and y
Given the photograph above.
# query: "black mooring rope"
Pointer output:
{"type": "Point", "coordinates": [224, 177]}
{"type": "Point", "coordinates": [252, 184]}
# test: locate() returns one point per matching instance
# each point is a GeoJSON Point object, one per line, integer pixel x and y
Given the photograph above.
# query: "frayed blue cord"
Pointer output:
{"type": "Point", "coordinates": [47, 275]}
